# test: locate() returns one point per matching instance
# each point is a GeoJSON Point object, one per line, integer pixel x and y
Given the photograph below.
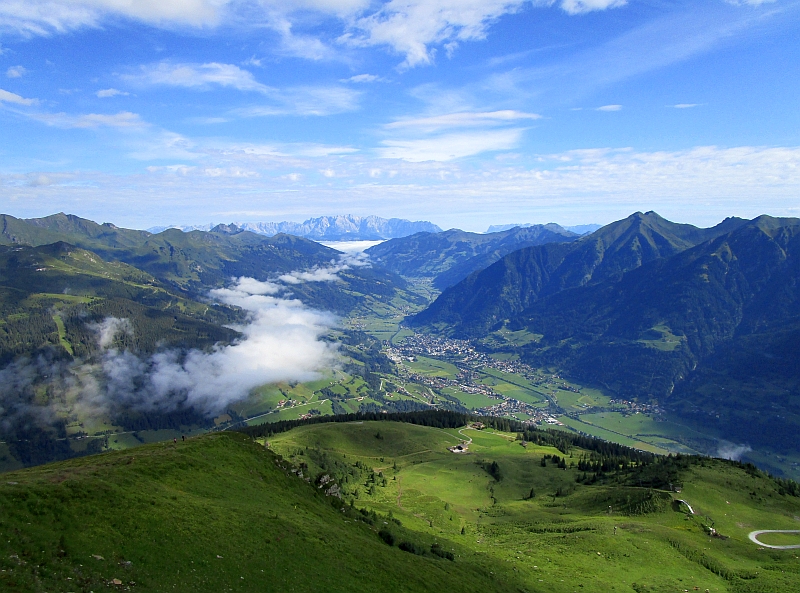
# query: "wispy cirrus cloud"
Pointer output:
{"type": "Point", "coordinates": [450, 136]}
{"type": "Point", "coordinates": [412, 27]}
{"type": "Point", "coordinates": [16, 72]}
{"type": "Point", "coordinates": [702, 185]}
{"type": "Point", "coordinates": [584, 6]}
{"type": "Point", "coordinates": [304, 100]}
{"type": "Point", "coordinates": [196, 76]}
{"type": "Point", "coordinates": [448, 147]}
{"type": "Point", "coordinates": [9, 97]}
{"type": "Point", "coordinates": [360, 78]}
{"type": "Point", "coordinates": [300, 100]}
{"type": "Point", "coordinates": [609, 108]}
{"type": "Point", "coordinates": [47, 17]}
{"type": "Point", "coordinates": [462, 120]}
{"type": "Point", "coordinates": [123, 119]}
{"type": "Point", "coordinates": [105, 93]}
{"type": "Point", "coordinates": [415, 29]}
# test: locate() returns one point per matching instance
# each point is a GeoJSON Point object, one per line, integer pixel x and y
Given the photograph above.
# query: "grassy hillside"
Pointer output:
{"type": "Point", "coordinates": [223, 513]}
{"type": "Point", "coordinates": [602, 536]}
{"type": "Point", "coordinates": [50, 295]}
{"type": "Point", "coordinates": [214, 513]}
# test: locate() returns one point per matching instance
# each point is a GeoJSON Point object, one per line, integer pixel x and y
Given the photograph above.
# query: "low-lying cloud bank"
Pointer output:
{"type": "Point", "coordinates": [281, 341]}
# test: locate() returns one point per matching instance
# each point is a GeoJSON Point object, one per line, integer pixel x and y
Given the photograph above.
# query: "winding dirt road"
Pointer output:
{"type": "Point", "coordinates": [754, 538]}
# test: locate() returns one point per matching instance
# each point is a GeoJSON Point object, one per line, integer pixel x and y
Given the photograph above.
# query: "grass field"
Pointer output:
{"type": "Point", "coordinates": [213, 514]}
{"type": "Point", "coordinates": [635, 430]}
{"type": "Point", "coordinates": [432, 367]}
{"type": "Point", "coordinates": [567, 542]}
{"type": "Point", "coordinates": [471, 400]}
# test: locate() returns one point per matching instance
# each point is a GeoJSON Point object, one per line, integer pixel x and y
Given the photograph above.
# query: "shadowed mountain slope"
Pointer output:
{"type": "Point", "coordinates": [711, 331]}
{"type": "Point", "coordinates": [487, 298]}
{"type": "Point", "coordinates": [449, 256]}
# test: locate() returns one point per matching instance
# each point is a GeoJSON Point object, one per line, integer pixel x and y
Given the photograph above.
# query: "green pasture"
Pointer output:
{"type": "Point", "coordinates": [294, 412]}
{"type": "Point", "coordinates": [400, 335]}
{"type": "Point", "coordinates": [612, 436]}
{"type": "Point", "coordinates": [561, 542]}
{"type": "Point", "coordinates": [661, 338]}
{"type": "Point", "coordinates": [517, 338]}
{"type": "Point", "coordinates": [587, 398]}
{"type": "Point", "coordinates": [642, 428]}
{"type": "Point", "coordinates": [471, 400]}
{"type": "Point", "coordinates": [216, 513]}
{"type": "Point", "coordinates": [512, 385]}
{"type": "Point", "coordinates": [432, 367]}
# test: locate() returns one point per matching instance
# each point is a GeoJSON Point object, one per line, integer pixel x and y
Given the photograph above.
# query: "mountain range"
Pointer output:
{"type": "Point", "coordinates": [581, 229]}
{"type": "Point", "coordinates": [705, 321]}
{"type": "Point", "coordinates": [449, 256]}
{"type": "Point", "coordinates": [328, 228]}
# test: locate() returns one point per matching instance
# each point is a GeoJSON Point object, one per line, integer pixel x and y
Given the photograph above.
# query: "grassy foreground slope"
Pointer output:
{"type": "Point", "coordinates": [573, 534]}
{"type": "Point", "coordinates": [215, 513]}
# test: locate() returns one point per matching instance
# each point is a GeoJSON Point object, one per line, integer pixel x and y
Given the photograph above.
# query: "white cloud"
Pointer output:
{"type": "Point", "coordinates": [408, 27]}
{"type": "Point", "coordinates": [299, 45]}
{"type": "Point", "coordinates": [44, 17]}
{"type": "Point", "coordinates": [317, 150]}
{"type": "Point", "coordinates": [307, 100]}
{"type": "Point", "coordinates": [750, 2]}
{"type": "Point", "coordinates": [462, 119]}
{"type": "Point", "coordinates": [450, 146]}
{"type": "Point", "coordinates": [110, 93]}
{"type": "Point", "coordinates": [16, 72]}
{"type": "Point", "coordinates": [685, 105]}
{"type": "Point", "coordinates": [123, 119]}
{"type": "Point", "coordinates": [362, 78]}
{"type": "Point", "coordinates": [301, 100]}
{"type": "Point", "coordinates": [583, 6]}
{"type": "Point", "coordinates": [280, 342]}
{"type": "Point", "coordinates": [199, 76]}
{"type": "Point", "coordinates": [8, 97]}
{"type": "Point", "coordinates": [609, 108]}
{"type": "Point", "coordinates": [109, 329]}
{"type": "Point", "coordinates": [701, 185]}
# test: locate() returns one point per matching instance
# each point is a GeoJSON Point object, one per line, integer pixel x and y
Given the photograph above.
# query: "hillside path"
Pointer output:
{"type": "Point", "coordinates": [754, 538]}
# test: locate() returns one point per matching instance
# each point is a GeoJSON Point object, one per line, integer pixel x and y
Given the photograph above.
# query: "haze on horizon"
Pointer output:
{"type": "Point", "coordinates": [466, 113]}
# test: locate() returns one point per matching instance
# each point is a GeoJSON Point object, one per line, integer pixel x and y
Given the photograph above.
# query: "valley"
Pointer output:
{"type": "Point", "coordinates": [388, 359]}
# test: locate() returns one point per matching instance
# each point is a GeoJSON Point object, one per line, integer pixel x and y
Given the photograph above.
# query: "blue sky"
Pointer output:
{"type": "Point", "coordinates": [463, 112]}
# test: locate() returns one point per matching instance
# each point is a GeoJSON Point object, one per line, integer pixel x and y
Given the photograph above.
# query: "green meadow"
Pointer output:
{"type": "Point", "coordinates": [215, 513]}
{"type": "Point", "coordinates": [569, 536]}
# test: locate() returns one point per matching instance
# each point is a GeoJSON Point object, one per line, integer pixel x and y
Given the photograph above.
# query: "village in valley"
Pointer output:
{"type": "Point", "coordinates": [542, 404]}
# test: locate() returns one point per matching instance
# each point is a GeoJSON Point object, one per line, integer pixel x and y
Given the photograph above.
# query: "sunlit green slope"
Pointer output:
{"type": "Point", "coordinates": [214, 513]}
{"type": "Point", "coordinates": [563, 529]}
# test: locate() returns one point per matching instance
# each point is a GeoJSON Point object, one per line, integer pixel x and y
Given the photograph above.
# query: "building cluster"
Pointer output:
{"type": "Point", "coordinates": [524, 412]}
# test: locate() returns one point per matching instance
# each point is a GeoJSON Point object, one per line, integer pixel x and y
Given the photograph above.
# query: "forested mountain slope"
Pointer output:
{"type": "Point", "coordinates": [486, 298]}
{"type": "Point", "coordinates": [449, 256]}
{"type": "Point", "coordinates": [52, 294]}
{"type": "Point", "coordinates": [197, 261]}
{"type": "Point", "coordinates": [711, 331]}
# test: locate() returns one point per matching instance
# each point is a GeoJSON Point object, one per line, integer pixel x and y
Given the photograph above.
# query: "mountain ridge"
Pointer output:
{"type": "Point", "coordinates": [328, 228]}
{"type": "Point", "coordinates": [515, 281]}
{"type": "Point", "coordinates": [451, 255]}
